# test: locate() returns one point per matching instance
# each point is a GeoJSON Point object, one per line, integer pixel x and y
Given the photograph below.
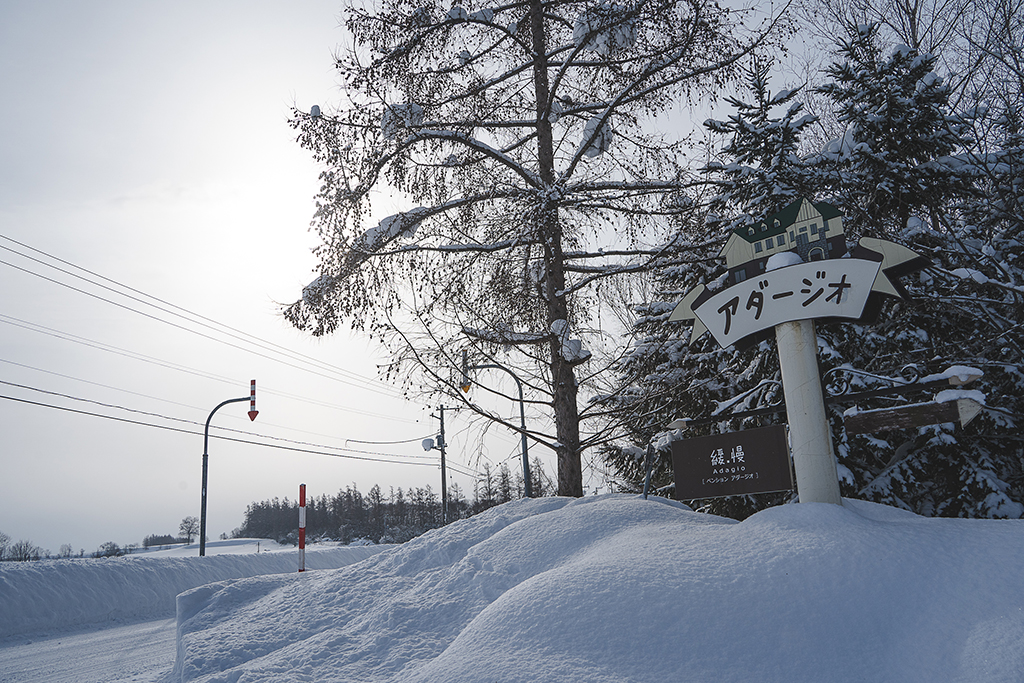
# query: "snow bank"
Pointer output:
{"type": "Point", "coordinates": [616, 588]}
{"type": "Point", "coordinates": [37, 597]}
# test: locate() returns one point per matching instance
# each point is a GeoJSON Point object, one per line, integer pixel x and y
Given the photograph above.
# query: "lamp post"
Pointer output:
{"type": "Point", "coordinates": [527, 489]}
{"type": "Point", "coordinates": [206, 456]}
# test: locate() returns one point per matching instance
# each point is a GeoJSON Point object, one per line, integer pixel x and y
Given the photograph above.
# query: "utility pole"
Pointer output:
{"type": "Point", "coordinates": [444, 474]}
{"type": "Point", "coordinates": [429, 444]}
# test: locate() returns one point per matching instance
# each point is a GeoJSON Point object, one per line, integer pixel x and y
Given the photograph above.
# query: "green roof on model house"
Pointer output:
{"type": "Point", "coordinates": [779, 221]}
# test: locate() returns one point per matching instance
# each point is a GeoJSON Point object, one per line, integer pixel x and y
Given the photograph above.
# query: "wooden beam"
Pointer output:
{"type": "Point", "coordinates": [961, 411]}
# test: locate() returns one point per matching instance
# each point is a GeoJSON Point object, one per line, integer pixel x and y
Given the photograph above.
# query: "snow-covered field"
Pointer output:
{"type": "Point", "coordinates": [616, 588]}
{"type": "Point", "coordinates": [52, 595]}
{"type": "Point", "coordinates": [93, 621]}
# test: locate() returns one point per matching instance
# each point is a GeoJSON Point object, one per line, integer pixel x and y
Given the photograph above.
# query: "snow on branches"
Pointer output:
{"type": "Point", "coordinates": [606, 29]}
{"type": "Point", "coordinates": [598, 136]}
{"type": "Point", "coordinates": [571, 350]}
{"type": "Point", "coordinates": [399, 225]}
{"type": "Point", "coordinates": [496, 123]}
{"type": "Point", "coordinates": [399, 117]}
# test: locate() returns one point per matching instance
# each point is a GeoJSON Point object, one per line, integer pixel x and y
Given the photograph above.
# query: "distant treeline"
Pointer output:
{"type": "Point", "coordinates": [24, 551]}
{"type": "Point", "coordinates": [155, 540]}
{"type": "Point", "coordinates": [347, 516]}
{"type": "Point", "coordinates": [392, 517]}
{"type": "Point", "coordinates": [27, 551]}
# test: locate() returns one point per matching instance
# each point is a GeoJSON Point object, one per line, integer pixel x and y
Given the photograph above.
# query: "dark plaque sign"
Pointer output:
{"type": "Point", "coordinates": [737, 463]}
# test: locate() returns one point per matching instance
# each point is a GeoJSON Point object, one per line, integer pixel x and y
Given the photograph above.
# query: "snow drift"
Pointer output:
{"type": "Point", "coordinates": [616, 588]}
{"type": "Point", "coordinates": [52, 595]}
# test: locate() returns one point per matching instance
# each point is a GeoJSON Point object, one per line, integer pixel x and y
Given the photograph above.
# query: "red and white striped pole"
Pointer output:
{"type": "Point", "coordinates": [252, 401]}
{"type": "Point", "coordinates": [302, 527]}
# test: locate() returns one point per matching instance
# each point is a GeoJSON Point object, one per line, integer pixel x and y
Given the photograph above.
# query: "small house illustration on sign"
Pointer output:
{"type": "Point", "coordinates": [814, 230]}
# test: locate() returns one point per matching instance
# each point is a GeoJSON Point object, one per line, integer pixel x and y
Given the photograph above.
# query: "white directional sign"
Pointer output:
{"type": "Point", "coordinates": [830, 288]}
{"type": "Point", "coordinates": [837, 288]}
{"type": "Point", "coordinates": [795, 284]}
{"type": "Point", "coordinates": [961, 410]}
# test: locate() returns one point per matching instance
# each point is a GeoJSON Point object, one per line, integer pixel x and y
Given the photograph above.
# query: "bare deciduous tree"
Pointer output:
{"type": "Point", "coordinates": [526, 148]}
{"type": "Point", "coordinates": [23, 551]}
{"type": "Point", "coordinates": [189, 527]}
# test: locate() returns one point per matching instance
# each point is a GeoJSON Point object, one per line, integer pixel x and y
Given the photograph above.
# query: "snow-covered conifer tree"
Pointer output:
{"type": "Point", "coordinates": [947, 198]}
{"type": "Point", "coordinates": [757, 172]}
{"type": "Point", "coordinates": [518, 144]}
{"type": "Point", "coordinates": [895, 158]}
{"type": "Point", "coordinates": [760, 169]}
{"type": "Point", "coordinates": [907, 169]}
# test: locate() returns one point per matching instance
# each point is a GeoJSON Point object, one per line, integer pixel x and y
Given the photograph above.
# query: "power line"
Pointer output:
{"type": "Point", "coordinates": [207, 321]}
{"type": "Point", "coordinates": [97, 384]}
{"type": "Point", "coordinates": [196, 318]}
{"type": "Point", "coordinates": [362, 384]}
{"type": "Point", "coordinates": [388, 443]}
{"type": "Point", "coordinates": [180, 430]}
{"type": "Point", "coordinates": [185, 421]}
{"type": "Point", "coordinates": [175, 403]}
{"type": "Point", "coordinates": [192, 318]}
{"type": "Point", "coordinates": [67, 336]}
{"type": "Point", "coordinates": [226, 429]}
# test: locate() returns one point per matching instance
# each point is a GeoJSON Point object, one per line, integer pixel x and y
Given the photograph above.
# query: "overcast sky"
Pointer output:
{"type": "Point", "coordinates": [148, 143]}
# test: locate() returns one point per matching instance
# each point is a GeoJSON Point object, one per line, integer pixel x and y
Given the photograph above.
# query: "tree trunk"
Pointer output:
{"type": "Point", "coordinates": [563, 377]}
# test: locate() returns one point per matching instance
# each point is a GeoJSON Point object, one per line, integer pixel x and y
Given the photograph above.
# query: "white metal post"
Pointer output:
{"type": "Point", "coordinates": [813, 456]}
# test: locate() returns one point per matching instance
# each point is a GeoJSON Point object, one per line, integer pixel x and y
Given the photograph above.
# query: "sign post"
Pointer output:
{"type": "Point", "coordinates": [206, 456]}
{"type": "Point", "coordinates": [527, 492]}
{"type": "Point", "coordinates": [784, 273]}
{"type": "Point", "coordinates": [813, 458]}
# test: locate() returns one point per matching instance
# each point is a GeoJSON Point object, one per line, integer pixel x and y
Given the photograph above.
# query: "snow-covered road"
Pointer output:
{"type": "Point", "coordinates": [112, 619]}
{"type": "Point", "coordinates": [141, 652]}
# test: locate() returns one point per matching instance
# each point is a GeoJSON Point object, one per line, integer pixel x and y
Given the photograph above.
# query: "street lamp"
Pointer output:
{"type": "Point", "coordinates": [527, 489]}
{"type": "Point", "coordinates": [206, 456]}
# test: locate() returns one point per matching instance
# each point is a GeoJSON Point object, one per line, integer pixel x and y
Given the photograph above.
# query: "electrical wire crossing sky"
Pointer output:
{"type": "Point", "coordinates": [154, 215]}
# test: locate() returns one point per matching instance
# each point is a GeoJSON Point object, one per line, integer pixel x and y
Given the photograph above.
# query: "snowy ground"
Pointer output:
{"type": "Point", "coordinates": [615, 588]}
{"type": "Point", "coordinates": [55, 595]}
{"type": "Point", "coordinates": [231, 546]}
{"type": "Point", "coordinates": [94, 621]}
{"type": "Point", "coordinates": [141, 653]}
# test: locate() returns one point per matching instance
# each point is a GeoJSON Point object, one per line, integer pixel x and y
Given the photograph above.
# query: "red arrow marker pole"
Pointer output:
{"type": "Point", "coordinates": [302, 527]}
{"type": "Point", "coordinates": [252, 401]}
